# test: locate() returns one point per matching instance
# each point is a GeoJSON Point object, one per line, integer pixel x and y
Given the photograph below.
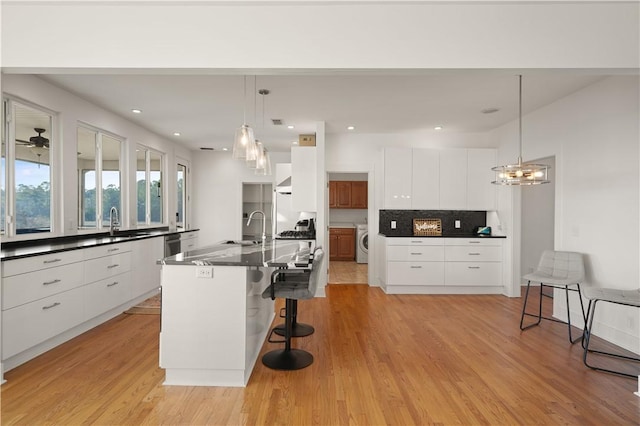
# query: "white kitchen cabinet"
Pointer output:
{"type": "Point", "coordinates": [189, 240]}
{"type": "Point", "coordinates": [397, 178]}
{"type": "Point", "coordinates": [440, 265]}
{"type": "Point", "coordinates": [425, 179]}
{"type": "Point", "coordinates": [304, 178]}
{"type": "Point", "coordinates": [481, 193]}
{"type": "Point", "coordinates": [453, 179]}
{"type": "Point", "coordinates": [103, 295]}
{"type": "Point", "coordinates": [146, 270]}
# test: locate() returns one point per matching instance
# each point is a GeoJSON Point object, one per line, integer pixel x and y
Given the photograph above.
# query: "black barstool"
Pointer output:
{"type": "Point", "coordinates": [292, 285]}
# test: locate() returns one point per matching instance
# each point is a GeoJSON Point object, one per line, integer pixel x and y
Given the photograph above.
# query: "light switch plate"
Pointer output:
{"type": "Point", "coordinates": [457, 224]}
{"type": "Point", "coordinates": [393, 224]}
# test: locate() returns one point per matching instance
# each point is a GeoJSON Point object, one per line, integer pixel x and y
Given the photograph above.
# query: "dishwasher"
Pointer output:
{"type": "Point", "coordinates": [171, 245]}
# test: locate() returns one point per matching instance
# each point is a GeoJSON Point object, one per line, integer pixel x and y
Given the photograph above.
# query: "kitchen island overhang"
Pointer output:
{"type": "Point", "coordinates": [213, 325]}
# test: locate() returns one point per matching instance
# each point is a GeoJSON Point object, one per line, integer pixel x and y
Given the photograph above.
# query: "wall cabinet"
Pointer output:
{"type": "Point", "coordinates": [348, 194]}
{"type": "Point", "coordinates": [442, 265]}
{"type": "Point", "coordinates": [303, 178]}
{"type": "Point", "coordinates": [342, 244]}
{"type": "Point", "coordinates": [429, 179]}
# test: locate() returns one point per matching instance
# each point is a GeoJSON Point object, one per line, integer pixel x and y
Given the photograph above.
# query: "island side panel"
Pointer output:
{"type": "Point", "coordinates": [260, 314]}
{"type": "Point", "coordinates": [204, 328]}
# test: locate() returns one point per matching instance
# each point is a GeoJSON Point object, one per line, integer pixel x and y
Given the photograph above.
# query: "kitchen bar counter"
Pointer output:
{"type": "Point", "coordinates": [214, 319]}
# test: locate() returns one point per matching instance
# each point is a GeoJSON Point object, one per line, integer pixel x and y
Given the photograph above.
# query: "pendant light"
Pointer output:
{"type": "Point", "coordinates": [244, 145]}
{"type": "Point", "coordinates": [523, 174]}
{"type": "Point", "coordinates": [263, 162]}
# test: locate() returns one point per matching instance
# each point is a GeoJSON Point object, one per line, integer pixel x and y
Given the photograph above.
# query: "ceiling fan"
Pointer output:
{"type": "Point", "coordinates": [38, 141]}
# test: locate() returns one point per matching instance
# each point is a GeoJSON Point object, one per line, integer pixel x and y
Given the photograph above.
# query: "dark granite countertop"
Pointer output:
{"type": "Point", "coordinates": [274, 253]}
{"type": "Point", "coordinates": [443, 236]}
{"type": "Point", "coordinates": [19, 249]}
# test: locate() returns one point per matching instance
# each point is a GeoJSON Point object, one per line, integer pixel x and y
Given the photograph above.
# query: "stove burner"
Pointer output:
{"type": "Point", "coordinates": [297, 235]}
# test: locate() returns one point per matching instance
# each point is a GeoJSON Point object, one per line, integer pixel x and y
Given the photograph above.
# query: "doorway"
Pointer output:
{"type": "Point", "coordinates": [348, 213]}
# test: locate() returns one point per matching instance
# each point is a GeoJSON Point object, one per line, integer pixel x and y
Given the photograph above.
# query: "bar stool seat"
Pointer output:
{"type": "Point", "coordinates": [292, 285]}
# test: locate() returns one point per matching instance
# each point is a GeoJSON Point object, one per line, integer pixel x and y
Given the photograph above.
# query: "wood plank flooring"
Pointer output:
{"type": "Point", "coordinates": [341, 272]}
{"type": "Point", "coordinates": [379, 359]}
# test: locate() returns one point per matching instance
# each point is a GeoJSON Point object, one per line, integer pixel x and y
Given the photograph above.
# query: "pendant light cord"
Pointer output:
{"type": "Point", "coordinates": [244, 102]}
{"type": "Point", "coordinates": [520, 116]}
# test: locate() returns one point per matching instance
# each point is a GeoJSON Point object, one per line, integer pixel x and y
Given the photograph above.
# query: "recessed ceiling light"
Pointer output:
{"type": "Point", "coordinates": [350, 128]}
{"type": "Point", "coordinates": [136, 111]}
{"type": "Point", "coordinates": [437, 128]}
{"type": "Point", "coordinates": [294, 143]}
{"type": "Point", "coordinates": [176, 133]}
{"type": "Point", "coordinates": [225, 149]}
{"type": "Point", "coordinates": [290, 126]}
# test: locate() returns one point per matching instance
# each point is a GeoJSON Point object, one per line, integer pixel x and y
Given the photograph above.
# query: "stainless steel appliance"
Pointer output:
{"type": "Point", "coordinates": [307, 225]}
{"type": "Point", "coordinates": [171, 244]}
{"type": "Point", "coordinates": [296, 235]}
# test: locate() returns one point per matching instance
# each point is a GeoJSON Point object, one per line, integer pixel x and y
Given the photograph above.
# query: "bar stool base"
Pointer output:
{"type": "Point", "coordinates": [293, 359]}
{"type": "Point", "coordinates": [298, 330]}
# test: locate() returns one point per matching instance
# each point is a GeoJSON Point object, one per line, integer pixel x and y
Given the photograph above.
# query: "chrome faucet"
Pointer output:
{"type": "Point", "coordinates": [264, 223]}
{"type": "Point", "coordinates": [114, 221]}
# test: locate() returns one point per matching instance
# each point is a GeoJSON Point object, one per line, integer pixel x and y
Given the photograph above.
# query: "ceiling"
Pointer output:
{"type": "Point", "coordinates": [206, 109]}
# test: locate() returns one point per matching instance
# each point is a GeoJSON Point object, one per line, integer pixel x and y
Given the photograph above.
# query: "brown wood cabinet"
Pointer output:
{"type": "Point", "coordinates": [348, 194]}
{"type": "Point", "coordinates": [342, 244]}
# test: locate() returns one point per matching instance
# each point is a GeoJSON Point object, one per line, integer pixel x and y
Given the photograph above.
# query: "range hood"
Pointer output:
{"type": "Point", "coordinates": [284, 187]}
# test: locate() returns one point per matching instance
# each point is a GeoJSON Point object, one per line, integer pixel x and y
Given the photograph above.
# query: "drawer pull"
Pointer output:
{"type": "Point", "coordinates": [52, 261]}
{"type": "Point", "coordinates": [53, 305]}
{"type": "Point", "coordinates": [474, 242]}
{"type": "Point", "coordinates": [416, 267]}
{"type": "Point", "coordinates": [416, 242]}
{"type": "Point", "coordinates": [112, 249]}
{"type": "Point", "coordinates": [474, 254]}
{"type": "Point", "coordinates": [112, 284]}
{"type": "Point", "coordinates": [416, 254]}
{"type": "Point", "coordinates": [115, 265]}
{"type": "Point", "coordinates": [51, 282]}
{"type": "Point", "coordinates": [473, 267]}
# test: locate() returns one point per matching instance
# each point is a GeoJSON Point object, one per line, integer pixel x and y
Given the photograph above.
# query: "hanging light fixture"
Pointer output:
{"type": "Point", "coordinates": [244, 145]}
{"type": "Point", "coordinates": [263, 162]}
{"type": "Point", "coordinates": [521, 173]}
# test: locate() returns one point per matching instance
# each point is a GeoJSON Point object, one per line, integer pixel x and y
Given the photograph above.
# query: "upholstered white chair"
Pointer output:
{"type": "Point", "coordinates": [614, 296]}
{"type": "Point", "coordinates": [292, 285]}
{"type": "Point", "coordinates": [556, 269]}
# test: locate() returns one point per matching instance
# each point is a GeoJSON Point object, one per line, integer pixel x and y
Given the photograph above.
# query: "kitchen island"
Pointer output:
{"type": "Point", "coordinates": [214, 319]}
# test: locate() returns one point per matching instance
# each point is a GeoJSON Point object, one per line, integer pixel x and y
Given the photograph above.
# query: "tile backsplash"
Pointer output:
{"type": "Point", "coordinates": [469, 220]}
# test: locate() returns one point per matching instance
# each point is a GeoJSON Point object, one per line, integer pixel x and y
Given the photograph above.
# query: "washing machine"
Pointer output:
{"type": "Point", "coordinates": [362, 243]}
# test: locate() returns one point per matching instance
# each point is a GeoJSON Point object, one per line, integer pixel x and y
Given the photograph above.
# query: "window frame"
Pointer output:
{"type": "Point", "coordinates": [148, 183]}
{"type": "Point", "coordinates": [9, 103]}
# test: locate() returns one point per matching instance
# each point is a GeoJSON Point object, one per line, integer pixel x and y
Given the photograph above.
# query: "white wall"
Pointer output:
{"type": "Point", "coordinates": [217, 193]}
{"type": "Point", "coordinates": [594, 136]}
{"type": "Point", "coordinates": [320, 34]}
{"type": "Point", "coordinates": [70, 110]}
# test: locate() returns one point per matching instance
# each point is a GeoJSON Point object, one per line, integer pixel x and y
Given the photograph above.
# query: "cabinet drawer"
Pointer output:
{"type": "Point", "coordinates": [106, 250]}
{"type": "Point", "coordinates": [433, 241]}
{"type": "Point", "coordinates": [473, 242]}
{"type": "Point", "coordinates": [30, 324]}
{"type": "Point", "coordinates": [107, 294]}
{"type": "Point", "coordinates": [342, 231]}
{"type": "Point", "coordinates": [473, 254]}
{"type": "Point", "coordinates": [473, 273]}
{"type": "Point", "coordinates": [36, 263]}
{"type": "Point", "coordinates": [415, 273]}
{"type": "Point", "coordinates": [104, 267]}
{"type": "Point", "coordinates": [25, 288]}
{"type": "Point", "coordinates": [415, 253]}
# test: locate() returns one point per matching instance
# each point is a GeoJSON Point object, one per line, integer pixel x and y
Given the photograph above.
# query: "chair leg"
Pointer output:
{"type": "Point", "coordinates": [524, 309]}
{"type": "Point", "coordinates": [298, 329]}
{"type": "Point", "coordinates": [288, 358]}
{"type": "Point", "coordinates": [588, 328]}
{"type": "Point", "coordinates": [579, 338]}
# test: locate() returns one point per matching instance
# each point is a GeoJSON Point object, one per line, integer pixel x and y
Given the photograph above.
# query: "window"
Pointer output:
{"type": "Point", "coordinates": [181, 196]}
{"type": "Point", "coordinates": [149, 186]}
{"type": "Point", "coordinates": [99, 177]}
{"type": "Point", "coordinates": [25, 184]}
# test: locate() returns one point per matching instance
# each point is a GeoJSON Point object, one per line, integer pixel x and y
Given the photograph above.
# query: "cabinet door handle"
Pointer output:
{"type": "Point", "coordinates": [474, 254]}
{"type": "Point", "coordinates": [473, 267]}
{"type": "Point", "coordinates": [112, 249]}
{"type": "Point", "coordinates": [53, 305]}
{"type": "Point", "coordinates": [52, 261]}
{"type": "Point", "coordinates": [112, 284]}
{"type": "Point", "coordinates": [51, 282]}
{"type": "Point", "coordinates": [416, 267]}
{"type": "Point", "coordinates": [115, 265]}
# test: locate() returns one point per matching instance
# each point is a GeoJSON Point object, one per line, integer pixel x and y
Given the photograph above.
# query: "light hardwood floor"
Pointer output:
{"type": "Point", "coordinates": [344, 272]}
{"type": "Point", "coordinates": [379, 359]}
